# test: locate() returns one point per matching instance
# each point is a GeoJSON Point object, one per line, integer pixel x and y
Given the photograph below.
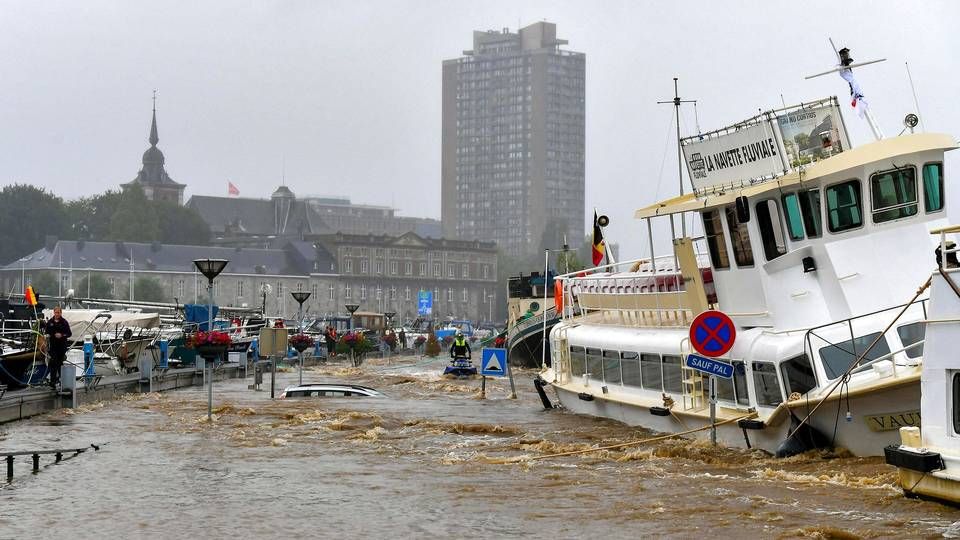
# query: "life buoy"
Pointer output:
{"type": "Point", "coordinates": [558, 295]}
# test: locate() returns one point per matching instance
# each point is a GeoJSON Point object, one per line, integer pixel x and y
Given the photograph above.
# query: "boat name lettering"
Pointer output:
{"type": "Point", "coordinates": [892, 421]}
{"type": "Point", "coordinates": [748, 153]}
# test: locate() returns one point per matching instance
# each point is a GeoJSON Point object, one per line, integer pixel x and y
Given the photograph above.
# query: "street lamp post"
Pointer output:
{"type": "Point", "coordinates": [210, 268]}
{"type": "Point", "coordinates": [300, 297]}
{"type": "Point", "coordinates": [352, 308]}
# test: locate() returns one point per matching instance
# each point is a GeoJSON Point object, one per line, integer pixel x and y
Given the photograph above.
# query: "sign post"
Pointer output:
{"type": "Point", "coordinates": [493, 363]}
{"type": "Point", "coordinates": [712, 334]}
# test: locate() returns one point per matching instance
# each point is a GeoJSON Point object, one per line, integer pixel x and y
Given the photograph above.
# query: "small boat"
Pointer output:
{"type": "Point", "coordinates": [460, 368]}
{"type": "Point", "coordinates": [928, 456]}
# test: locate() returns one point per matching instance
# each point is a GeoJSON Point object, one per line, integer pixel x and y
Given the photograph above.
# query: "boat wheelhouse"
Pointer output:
{"type": "Point", "coordinates": [819, 266]}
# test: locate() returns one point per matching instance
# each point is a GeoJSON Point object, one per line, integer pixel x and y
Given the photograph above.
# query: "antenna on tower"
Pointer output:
{"type": "Point", "coordinates": [845, 65]}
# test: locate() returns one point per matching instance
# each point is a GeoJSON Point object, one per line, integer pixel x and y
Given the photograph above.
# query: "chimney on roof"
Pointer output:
{"type": "Point", "coordinates": [50, 242]}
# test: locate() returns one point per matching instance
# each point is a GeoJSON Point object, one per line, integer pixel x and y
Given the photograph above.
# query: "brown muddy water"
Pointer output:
{"type": "Point", "coordinates": [422, 463]}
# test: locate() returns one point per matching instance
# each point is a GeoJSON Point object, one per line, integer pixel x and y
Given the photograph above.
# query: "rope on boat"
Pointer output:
{"type": "Point", "coordinates": [522, 459]}
{"type": "Point", "coordinates": [845, 377]}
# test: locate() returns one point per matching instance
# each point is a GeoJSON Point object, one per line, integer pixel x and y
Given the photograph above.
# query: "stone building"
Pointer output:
{"type": "Point", "coordinates": [153, 178]}
{"type": "Point", "coordinates": [513, 140]}
{"type": "Point", "coordinates": [380, 273]}
{"type": "Point", "coordinates": [385, 273]}
{"type": "Point", "coordinates": [259, 222]}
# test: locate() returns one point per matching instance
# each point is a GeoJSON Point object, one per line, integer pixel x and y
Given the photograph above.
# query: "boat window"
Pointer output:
{"type": "Point", "coordinates": [933, 187]}
{"type": "Point", "coordinates": [910, 334]}
{"type": "Point", "coordinates": [791, 210]}
{"type": "Point", "coordinates": [611, 367]}
{"type": "Point", "coordinates": [716, 243]}
{"type": "Point", "coordinates": [672, 373]}
{"type": "Point", "coordinates": [956, 403]}
{"type": "Point", "coordinates": [810, 208]}
{"type": "Point", "coordinates": [739, 238]}
{"type": "Point", "coordinates": [838, 358]}
{"type": "Point", "coordinates": [844, 209]}
{"type": "Point", "coordinates": [893, 194]}
{"type": "Point", "coordinates": [630, 368]}
{"type": "Point", "coordinates": [798, 375]}
{"type": "Point", "coordinates": [771, 229]}
{"type": "Point", "coordinates": [766, 384]}
{"type": "Point", "coordinates": [650, 371]}
{"type": "Point", "coordinates": [577, 360]}
{"type": "Point", "coordinates": [734, 390]}
{"type": "Point", "coordinates": [297, 393]}
{"type": "Point", "coordinates": [595, 364]}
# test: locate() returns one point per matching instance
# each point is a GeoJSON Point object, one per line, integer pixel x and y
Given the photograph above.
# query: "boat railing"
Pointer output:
{"type": "Point", "coordinates": [638, 299]}
{"type": "Point", "coordinates": [866, 366]}
{"type": "Point", "coordinates": [818, 331]}
{"type": "Point", "coordinates": [536, 320]}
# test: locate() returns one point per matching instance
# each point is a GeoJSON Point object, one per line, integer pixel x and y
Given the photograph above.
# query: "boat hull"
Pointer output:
{"type": "Point", "coordinates": [893, 405]}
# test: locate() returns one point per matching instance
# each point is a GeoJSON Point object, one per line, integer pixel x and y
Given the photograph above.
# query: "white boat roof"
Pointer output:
{"type": "Point", "coordinates": [850, 159]}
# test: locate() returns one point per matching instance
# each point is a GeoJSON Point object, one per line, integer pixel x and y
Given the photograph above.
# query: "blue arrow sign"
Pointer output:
{"type": "Point", "coordinates": [493, 362]}
{"type": "Point", "coordinates": [710, 366]}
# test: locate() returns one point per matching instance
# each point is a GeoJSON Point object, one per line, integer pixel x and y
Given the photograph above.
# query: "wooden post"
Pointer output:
{"type": "Point", "coordinates": [9, 467]}
{"type": "Point", "coordinates": [483, 387]}
{"type": "Point", "coordinates": [36, 463]}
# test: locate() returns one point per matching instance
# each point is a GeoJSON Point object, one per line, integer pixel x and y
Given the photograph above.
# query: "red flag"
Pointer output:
{"type": "Point", "coordinates": [599, 246]}
{"type": "Point", "coordinates": [29, 296]}
{"type": "Point", "coordinates": [232, 190]}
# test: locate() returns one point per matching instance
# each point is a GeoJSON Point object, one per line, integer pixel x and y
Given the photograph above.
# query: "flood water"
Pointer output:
{"type": "Point", "coordinates": [428, 461]}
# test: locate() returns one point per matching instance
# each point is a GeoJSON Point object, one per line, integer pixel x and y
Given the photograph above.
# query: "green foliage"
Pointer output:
{"type": "Point", "coordinates": [181, 225]}
{"type": "Point", "coordinates": [148, 289]}
{"type": "Point", "coordinates": [44, 284]}
{"type": "Point", "coordinates": [98, 287]}
{"type": "Point", "coordinates": [135, 219]}
{"type": "Point", "coordinates": [27, 215]}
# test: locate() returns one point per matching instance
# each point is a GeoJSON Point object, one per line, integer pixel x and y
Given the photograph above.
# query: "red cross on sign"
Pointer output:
{"type": "Point", "coordinates": [712, 333]}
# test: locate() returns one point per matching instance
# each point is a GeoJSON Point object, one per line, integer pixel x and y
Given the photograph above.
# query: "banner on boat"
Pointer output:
{"type": "Point", "coordinates": [811, 134]}
{"type": "Point", "coordinates": [765, 146]}
{"type": "Point", "coordinates": [749, 153]}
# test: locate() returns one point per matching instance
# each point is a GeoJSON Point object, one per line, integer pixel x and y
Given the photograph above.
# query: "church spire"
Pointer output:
{"type": "Point", "coordinates": [154, 138]}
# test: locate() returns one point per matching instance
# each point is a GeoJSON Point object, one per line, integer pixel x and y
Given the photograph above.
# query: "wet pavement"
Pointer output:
{"type": "Point", "coordinates": [427, 461]}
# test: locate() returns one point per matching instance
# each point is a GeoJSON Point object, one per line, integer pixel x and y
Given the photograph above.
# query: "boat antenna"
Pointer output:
{"type": "Point", "coordinates": [916, 102]}
{"type": "Point", "coordinates": [844, 67]}
{"type": "Point", "coordinates": [676, 101]}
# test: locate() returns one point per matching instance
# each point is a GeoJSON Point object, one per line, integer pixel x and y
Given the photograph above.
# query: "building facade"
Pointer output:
{"type": "Point", "coordinates": [385, 273]}
{"type": "Point", "coordinates": [153, 178]}
{"type": "Point", "coordinates": [513, 129]}
{"type": "Point", "coordinates": [380, 273]}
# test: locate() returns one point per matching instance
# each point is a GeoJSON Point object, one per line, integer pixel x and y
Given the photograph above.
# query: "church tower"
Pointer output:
{"type": "Point", "coordinates": [153, 178]}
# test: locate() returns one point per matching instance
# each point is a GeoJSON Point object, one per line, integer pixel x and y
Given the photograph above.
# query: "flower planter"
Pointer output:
{"type": "Point", "coordinates": [211, 352]}
{"type": "Point", "coordinates": [301, 346]}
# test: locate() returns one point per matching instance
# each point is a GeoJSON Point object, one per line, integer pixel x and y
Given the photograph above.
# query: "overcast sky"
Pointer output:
{"type": "Point", "coordinates": [347, 94]}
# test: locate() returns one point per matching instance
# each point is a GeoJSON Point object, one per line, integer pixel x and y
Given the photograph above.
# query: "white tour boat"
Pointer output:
{"type": "Point", "coordinates": [819, 252]}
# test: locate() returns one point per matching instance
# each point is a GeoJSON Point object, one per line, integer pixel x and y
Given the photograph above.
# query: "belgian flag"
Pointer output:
{"type": "Point", "coordinates": [599, 246]}
{"type": "Point", "coordinates": [30, 296]}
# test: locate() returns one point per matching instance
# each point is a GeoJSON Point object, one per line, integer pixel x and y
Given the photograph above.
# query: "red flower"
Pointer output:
{"type": "Point", "coordinates": [214, 338]}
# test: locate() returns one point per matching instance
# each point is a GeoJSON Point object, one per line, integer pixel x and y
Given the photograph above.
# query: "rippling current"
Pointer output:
{"type": "Point", "coordinates": [428, 461]}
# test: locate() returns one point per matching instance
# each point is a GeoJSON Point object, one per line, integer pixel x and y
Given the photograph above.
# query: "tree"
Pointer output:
{"type": "Point", "coordinates": [135, 219]}
{"type": "Point", "coordinates": [27, 215]}
{"type": "Point", "coordinates": [97, 287]}
{"type": "Point", "coordinates": [181, 225]}
{"type": "Point", "coordinates": [45, 284]}
{"type": "Point", "coordinates": [148, 289]}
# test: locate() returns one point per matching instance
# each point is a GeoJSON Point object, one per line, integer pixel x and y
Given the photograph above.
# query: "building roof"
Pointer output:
{"type": "Point", "coordinates": [409, 239]}
{"type": "Point", "coordinates": [237, 216]}
{"type": "Point", "coordinates": [295, 258]}
{"type": "Point", "coordinates": [153, 171]}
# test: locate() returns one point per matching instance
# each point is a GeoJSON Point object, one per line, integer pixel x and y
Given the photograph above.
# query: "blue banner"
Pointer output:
{"type": "Point", "coordinates": [425, 303]}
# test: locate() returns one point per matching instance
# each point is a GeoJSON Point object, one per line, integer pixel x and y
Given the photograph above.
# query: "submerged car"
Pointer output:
{"type": "Point", "coordinates": [328, 390]}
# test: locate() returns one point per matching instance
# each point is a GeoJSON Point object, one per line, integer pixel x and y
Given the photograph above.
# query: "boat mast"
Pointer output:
{"type": "Point", "coordinates": [676, 105]}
